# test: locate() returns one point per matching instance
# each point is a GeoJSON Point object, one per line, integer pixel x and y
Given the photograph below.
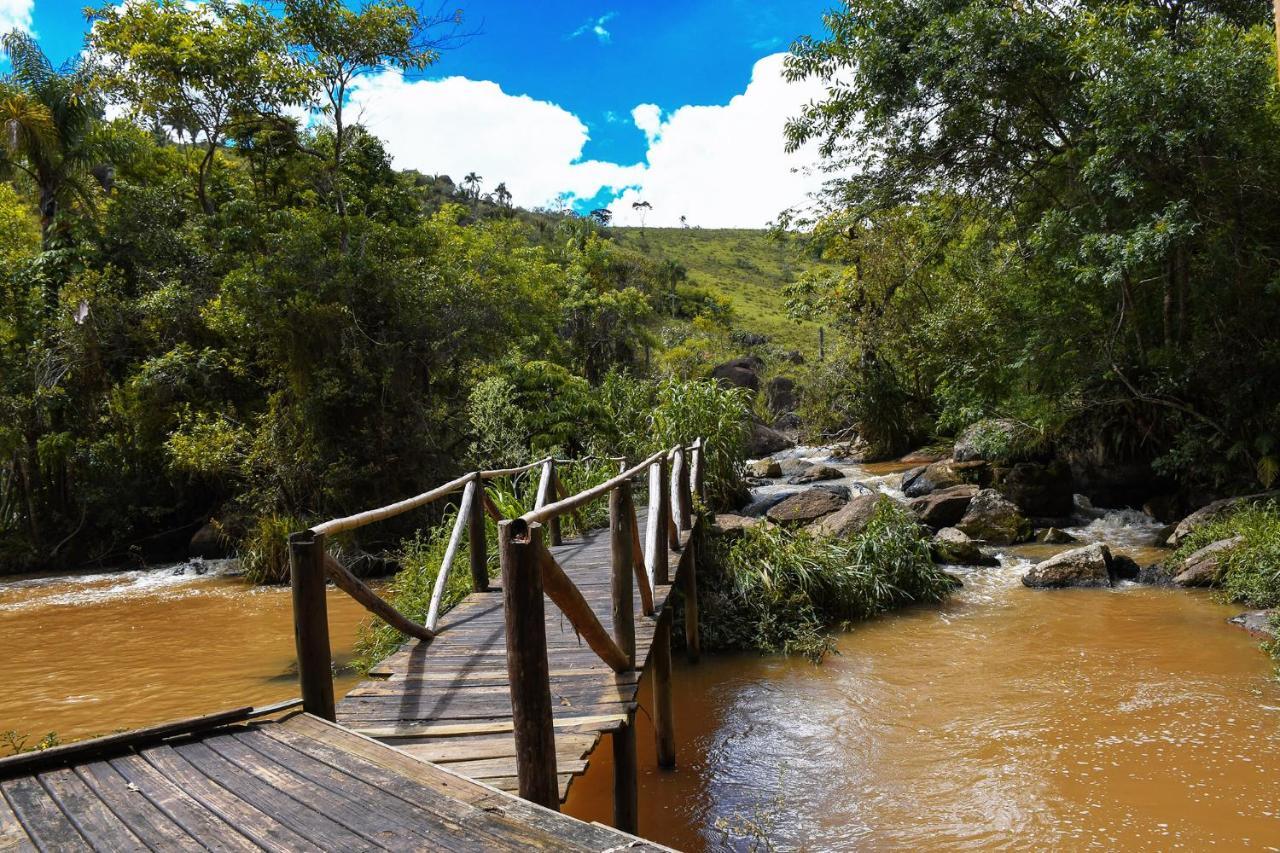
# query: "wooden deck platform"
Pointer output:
{"type": "Point", "coordinates": [448, 701]}
{"type": "Point", "coordinates": [295, 782]}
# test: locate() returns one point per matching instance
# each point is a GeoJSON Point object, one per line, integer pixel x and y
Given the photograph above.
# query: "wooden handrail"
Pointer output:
{"type": "Point", "coordinates": [545, 513]}
{"type": "Point", "coordinates": [455, 539]}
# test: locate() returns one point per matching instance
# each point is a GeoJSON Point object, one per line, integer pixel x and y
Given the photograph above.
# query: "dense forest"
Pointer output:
{"type": "Point", "coordinates": [222, 304]}
{"type": "Point", "coordinates": [225, 304]}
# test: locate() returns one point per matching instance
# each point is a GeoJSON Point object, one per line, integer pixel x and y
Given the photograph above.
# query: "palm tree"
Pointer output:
{"type": "Point", "coordinates": [48, 118]}
{"type": "Point", "coordinates": [642, 208]}
{"type": "Point", "coordinates": [502, 195]}
{"type": "Point", "coordinates": [472, 183]}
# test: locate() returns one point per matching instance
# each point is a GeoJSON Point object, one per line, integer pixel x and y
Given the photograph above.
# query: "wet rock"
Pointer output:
{"type": "Point", "coordinates": [954, 547]}
{"type": "Point", "coordinates": [739, 373]}
{"type": "Point", "coordinates": [852, 518]}
{"type": "Point", "coordinates": [978, 438]}
{"type": "Point", "coordinates": [1125, 568]}
{"type": "Point", "coordinates": [1037, 489]}
{"type": "Point", "coordinates": [209, 542]}
{"type": "Point", "coordinates": [766, 441]}
{"type": "Point", "coordinates": [1156, 574]}
{"type": "Point", "coordinates": [993, 518]}
{"type": "Point", "coordinates": [731, 526]}
{"type": "Point", "coordinates": [794, 465]}
{"type": "Point", "coordinates": [1055, 536]}
{"type": "Point", "coordinates": [805, 507]}
{"type": "Point", "coordinates": [1211, 511]}
{"type": "Point", "coordinates": [763, 504]}
{"type": "Point", "coordinates": [780, 395]}
{"type": "Point", "coordinates": [1256, 622]}
{"type": "Point", "coordinates": [1203, 567]}
{"type": "Point", "coordinates": [923, 456]}
{"type": "Point", "coordinates": [816, 474]}
{"type": "Point", "coordinates": [919, 482]}
{"type": "Point", "coordinates": [943, 508]}
{"type": "Point", "coordinates": [764, 468]}
{"type": "Point", "coordinates": [861, 450]}
{"type": "Point", "coordinates": [1087, 567]}
{"type": "Point", "coordinates": [1085, 508]}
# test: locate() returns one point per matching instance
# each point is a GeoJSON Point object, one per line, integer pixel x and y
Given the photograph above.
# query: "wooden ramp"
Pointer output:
{"type": "Point", "coordinates": [295, 782]}
{"type": "Point", "coordinates": [448, 700]}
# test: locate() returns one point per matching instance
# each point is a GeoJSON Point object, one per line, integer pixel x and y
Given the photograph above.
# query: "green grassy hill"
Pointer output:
{"type": "Point", "coordinates": [745, 268]}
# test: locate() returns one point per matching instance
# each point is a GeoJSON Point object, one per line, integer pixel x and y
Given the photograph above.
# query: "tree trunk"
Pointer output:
{"type": "Point", "coordinates": [202, 180]}
{"type": "Point", "coordinates": [48, 216]}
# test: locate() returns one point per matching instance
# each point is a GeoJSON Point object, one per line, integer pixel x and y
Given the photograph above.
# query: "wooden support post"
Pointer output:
{"type": "Point", "coordinates": [637, 554]}
{"type": "Point", "coordinates": [553, 525]}
{"type": "Point", "coordinates": [668, 517]}
{"type": "Point", "coordinates": [697, 471]}
{"type": "Point", "coordinates": [624, 626]}
{"type": "Point", "coordinates": [663, 728]}
{"type": "Point", "coordinates": [655, 541]}
{"type": "Point", "coordinates": [692, 637]}
{"type": "Point", "coordinates": [681, 479]}
{"type": "Point", "coordinates": [527, 670]}
{"type": "Point", "coordinates": [311, 623]}
{"type": "Point", "coordinates": [626, 800]}
{"type": "Point", "coordinates": [476, 540]}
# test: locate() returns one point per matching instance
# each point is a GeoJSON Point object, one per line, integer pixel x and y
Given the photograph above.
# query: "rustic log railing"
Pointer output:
{"type": "Point", "coordinates": [529, 570]}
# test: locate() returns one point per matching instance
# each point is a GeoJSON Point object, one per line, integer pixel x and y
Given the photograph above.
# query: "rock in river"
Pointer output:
{"type": "Point", "coordinates": [1088, 566]}
{"type": "Point", "coordinates": [943, 508]}
{"type": "Point", "coordinates": [815, 474]}
{"type": "Point", "coordinates": [852, 518]}
{"type": "Point", "coordinates": [805, 507]}
{"type": "Point", "coordinates": [765, 441]}
{"type": "Point", "coordinates": [954, 547]}
{"type": "Point", "coordinates": [764, 468]}
{"type": "Point", "coordinates": [1055, 536]}
{"type": "Point", "coordinates": [1203, 567]}
{"type": "Point", "coordinates": [1211, 511]}
{"type": "Point", "coordinates": [993, 518]}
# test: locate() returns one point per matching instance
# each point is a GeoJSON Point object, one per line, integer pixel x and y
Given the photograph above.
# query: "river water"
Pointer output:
{"type": "Point", "coordinates": [1126, 719]}
{"type": "Point", "coordinates": [1133, 718]}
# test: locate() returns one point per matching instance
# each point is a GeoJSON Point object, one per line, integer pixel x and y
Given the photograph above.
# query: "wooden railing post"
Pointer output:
{"type": "Point", "coordinates": [553, 525]}
{"type": "Point", "coordinates": [637, 554]}
{"type": "Point", "coordinates": [683, 498]}
{"type": "Point", "coordinates": [668, 517]}
{"type": "Point", "coordinates": [527, 668]}
{"type": "Point", "coordinates": [663, 726]}
{"type": "Point", "coordinates": [311, 623]}
{"type": "Point", "coordinates": [692, 635]}
{"type": "Point", "coordinates": [476, 540]}
{"type": "Point", "coordinates": [626, 801]}
{"type": "Point", "coordinates": [655, 541]}
{"type": "Point", "coordinates": [698, 471]}
{"type": "Point", "coordinates": [624, 627]}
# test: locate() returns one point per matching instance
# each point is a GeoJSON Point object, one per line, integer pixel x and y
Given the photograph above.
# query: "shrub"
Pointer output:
{"type": "Point", "coordinates": [1250, 572]}
{"type": "Point", "coordinates": [264, 551]}
{"type": "Point", "coordinates": [776, 590]}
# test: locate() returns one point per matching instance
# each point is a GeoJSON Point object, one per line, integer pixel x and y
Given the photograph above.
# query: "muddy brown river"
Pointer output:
{"type": "Point", "coordinates": [1008, 718]}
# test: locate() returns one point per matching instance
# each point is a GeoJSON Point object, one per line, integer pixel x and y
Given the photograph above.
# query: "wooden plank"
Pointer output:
{"type": "Point", "coordinates": [97, 823]}
{"type": "Point", "coordinates": [179, 806]}
{"type": "Point", "coordinates": [155, 829]}
{"type": "Point", "coordinates": [12, 835]}
{"type": "Point", "coordinates": [261, 827]}
{"type": "Point", "coordinates": [594, 722]}
{"type": "Point", "coordinates": [306, 821]}
{"type": "Point", "coordinates": [44, 822]}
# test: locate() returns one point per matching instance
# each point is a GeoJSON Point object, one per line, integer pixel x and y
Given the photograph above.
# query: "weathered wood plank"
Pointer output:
{"type": "Point", "coordinates": [100, 827]}
{"type": "Point", "coordinates": [46, 824]}
{"type": "Point", "coordinates": [156, 829]}
{"type": "Point", "coordinates": [12, 835]}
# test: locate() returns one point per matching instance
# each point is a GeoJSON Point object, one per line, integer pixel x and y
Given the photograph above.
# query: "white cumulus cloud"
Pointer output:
{"type": "Point", "coordinates": [719, 165]}
{"type": "Point", "coordinates": [15, 15]}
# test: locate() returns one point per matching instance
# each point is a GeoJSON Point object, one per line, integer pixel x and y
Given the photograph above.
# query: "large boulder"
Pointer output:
{"type": "Point", "coordinates": [943, 508]}
{"type": "Point", "coordinates": [209, 542]}
{"type": "Point", "coordinates": [923, 456]}
{"type": "Point", "coordinates": [816, 474]}
{"type": "Point", "coordinates": [767, 468]}
{"type": "Point", "coordinates": [763, 504]}
{"type": "Point", "coordinates": [852, 518]}
{"type": "Point", "coordinates": [942, 475]}
{"type": "Point", "coordinates": [1204, 567]}
{"type": "Point", "coordinates": [780, 395]}
{"type": "Point", "coordinates": [794, 465]}
{"type": "Point", "coordinates": [1055, 536]}
{"type": "Point", "coordinates": [1257, 622]}
{"type": "Point", "coordinates": [739, 373]}
{"type": "Point", "coordinates": [1088, 566]}
{"type": "Point", "coordinates": [1211, 511]}
{"type": "Point", "coordinates": [979, 438]}
{"type": "Point", "coordinates": [765, 441]}
{"type": "Point", "coordinates": [807, 506]}
{"type": "Point", "coordinates": [993, 518]}
{"type": "Point", "coordinates": [1038, 489]}
{"type": "Point", "coordinates": [953, 547]}
{"type": "Point", "coordinates": [732, 526]}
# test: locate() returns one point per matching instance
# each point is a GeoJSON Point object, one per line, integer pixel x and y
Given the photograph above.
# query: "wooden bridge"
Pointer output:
{"type": "Point", "coordinates": [500, 694]}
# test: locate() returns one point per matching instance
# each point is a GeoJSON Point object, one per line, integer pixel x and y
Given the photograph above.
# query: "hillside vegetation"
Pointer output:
{"type": "Point", "coordinates": [745, 268]}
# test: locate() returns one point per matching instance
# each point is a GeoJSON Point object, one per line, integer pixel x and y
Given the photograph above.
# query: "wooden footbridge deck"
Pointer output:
{"type": "Point", "coordinates": [500, 694]}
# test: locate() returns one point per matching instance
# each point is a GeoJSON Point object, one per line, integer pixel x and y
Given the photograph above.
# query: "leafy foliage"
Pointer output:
{"type": "Point", "coordinates": [1251, 570]}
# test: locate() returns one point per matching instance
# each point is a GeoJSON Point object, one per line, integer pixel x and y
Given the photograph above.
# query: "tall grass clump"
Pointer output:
{"type": "Point", "coordinates": [776, 590]}
{"type": "Point", "coordinates": [264, 550]}
{"type": "Point", "coordinates": [1251, 571]}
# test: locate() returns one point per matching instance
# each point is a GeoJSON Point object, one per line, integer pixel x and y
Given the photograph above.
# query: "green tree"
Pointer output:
{"type": "Point", "coordinates": [49, 118]}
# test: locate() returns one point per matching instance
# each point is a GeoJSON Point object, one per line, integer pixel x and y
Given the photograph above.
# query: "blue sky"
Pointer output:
{"type": "Point", "coordinates": [547, 64]}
